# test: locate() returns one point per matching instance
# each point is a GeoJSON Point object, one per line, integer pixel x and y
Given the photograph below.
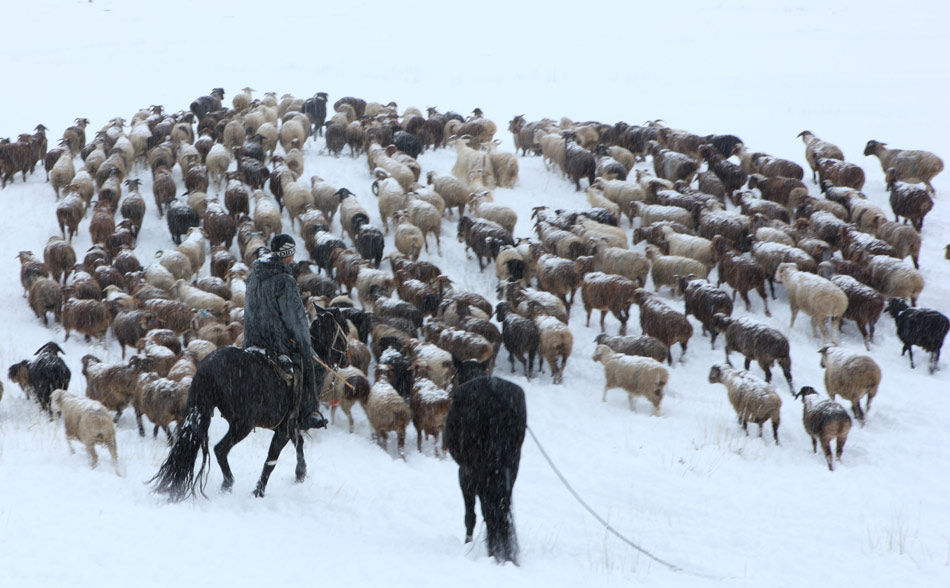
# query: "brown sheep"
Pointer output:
{"type": "Point", "coordinates": [112, 384]}
{"type": "Point", "coordinates": [46, 296]}
{"type": "Point", "coordinates": [59, 257]}
{"type": "Point", "coordinates": [660, 321]}
{"type": "Point", "coordinates": [608, 292]}
{"type": "Point", "coordinates": [741, 272]}
{"type": "Point", "coordinates": [162, 400]}
{"type": "Point", "coordinates": [89, 317]}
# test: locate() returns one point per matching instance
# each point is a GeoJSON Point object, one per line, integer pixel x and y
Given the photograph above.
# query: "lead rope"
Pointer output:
{"type": "Point", "coordinates": [671, 566]}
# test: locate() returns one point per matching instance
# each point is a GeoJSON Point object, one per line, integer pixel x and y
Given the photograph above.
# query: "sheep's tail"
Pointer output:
{"type": "Point", "coordinates": [176, 477]}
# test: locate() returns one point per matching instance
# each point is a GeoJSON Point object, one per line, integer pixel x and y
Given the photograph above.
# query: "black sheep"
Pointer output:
{"type": "Point", "coordinates": [316, 109]}
{"type": "Point", "coordinates": [724, 144]}
{"type": "Point", "coordinates": [181, 218]}
{"type": "Point", "coordinates": [484, 432]}
{"type": "Point", "coordinates": [44, 373]}
{"type": "Point", "coordinates": [520, 337]}
{"type": "Point", "coordinates": [919, 326]}
{"type": "Point", "coordinates": [369, 242]}
{"type": "Point", "coordinates": [336, 138]}
{"type": "Point", "coordinates": [407, 143]}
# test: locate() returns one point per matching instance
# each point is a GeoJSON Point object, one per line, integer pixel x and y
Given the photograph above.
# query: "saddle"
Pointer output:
{"type": "Point", "coordinates": [282, 365]}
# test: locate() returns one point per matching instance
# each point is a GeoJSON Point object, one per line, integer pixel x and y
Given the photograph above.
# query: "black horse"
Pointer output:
{"type": "Point", "coordinates": [249, 391]}
{"type": "Point", "coordinates": [484, 431]}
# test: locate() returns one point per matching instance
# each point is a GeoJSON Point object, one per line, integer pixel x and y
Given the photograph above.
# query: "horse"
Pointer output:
{"type": "Point", "coordinates": [249, 391]}
{"type": "Point", "coordinates": [484, 432]}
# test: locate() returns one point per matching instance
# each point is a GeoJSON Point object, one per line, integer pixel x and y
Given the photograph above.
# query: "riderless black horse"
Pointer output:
{"type": "Point", "coordinates": [249, 390]}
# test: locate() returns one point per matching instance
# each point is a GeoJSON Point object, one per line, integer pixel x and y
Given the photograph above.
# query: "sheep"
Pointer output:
{"type": "Point", "coordinates": [587, 229]}
{"type": "Point", "coordinates": [463, 345]}
{"type": "Point", "coordinates": [176, 262]}
{"type": "Point", "coordinates": [639, 376]}
{"type": "Point", "coordinates": [430, 406]}
{"type": "Point", "coordinates": [864, 305]}
{"type": "Point", "coordinates": [632, 265]}
{"type": "Point", "coordinates": [558, 276]}
{"type": "Point", "coordinates": [475, 233]}
{"type": "Point", "coordinates": [481, 207]}
{"type": "Point", "coordinates": [815, 295]}
{"type": "Point", "coordinates": [826, 420]}
{"type": "Point", "coordinates": [409, 239]}
{"type": "Point", "coordinates": [344, 390]}
{"type": "Point", "coordinates": [854, 243]}
{"type": "Point", "coordinates": [111, 384]}
{"type": "Point", "coordinates": [672, 165]}
{"type": "Point", "coordinates": [776, 167]}
{"type": "Point", "coordinates": [654, 213]}
{"type": "Point", "coordinates": [163, 187]}
{"type": "Point", "coordinates": [367, 279]}
{"type": "Point", "coordinates": [89, 317]}
{"type": "Point", "coordinates": [555, 341]}
{"type": "Point", "coordinates": [59, 257]}
{"type": "Point", "coordinates": [892, 277]}
{"type": "Point", "coordinates": [642, 345]}
{"type": "Point", "coordinates": [453, 191]}
{"type": "Point", "coordinates": [729, 224]}
{"type": "Point", "coordinates": [752, 206]}
{"type": "Point", "coordinates": [730, 174]}
{"type": "Point", "coordinates": [62, 173]}
{"type": "Point", "coordinates": [665, 268]}
{"type": "Point", "coordinates": [562, 243]}
{"type": "Point", "coordinates": [816, 148]}
{"type": "Point", "coordinates": [753, 400]}
{"type": "Point", "coordinates": [689, 246]}
{"type": "Point", "coordinates": [436, 360]}
{"type": "Point", "coordinates": [86, 421]}
{"type": "Point", "coordinates": [522, 298]}
{"type": "Point", "coordinates": [160, 399]}
{"type": "Point", "coordinates": [910, 166]}
{"type": "Point", "coordinates": [180, 217]}
{"type": "Point", "coordinates": [46, 295]}
{"type": "Point", "coordinates": [769, 255]}
{"type": "Point", "coordinates": [622, 193]}
{"type": "Point", "coordinates": [852, 375]}
{"type": "Point", "coordinates": [755, 341]}
{"type": "Point", "coordinates": [904, 239]}
{"type": "Point", "coordinates": [266, 215]}
{"type": "Point", "coordinates": [741, 272]}
{"type": "Point", "coordinates": [608, 292]}
{"type": "Point", "coordinates": [840, 173]}
{"type": "Point", "coordinates": [42, 374]}
{"type": "Point", "coordinates": [131, 325]}
{"type": "Point", "coordinates": [199, 299]}
{"type": "Point", "coordinates": [703, 301]}
{"type": "Point", "coordinates": [386, 410]}
{"type": "Point", "coordinates": [662, 322]}
{"type": "Point", "coordinates": [578, 161]}
{"type": "Point", "coordinates": [520, 336]}
{"type": "Point", "coordinates": [504, 166]}
{"type": "Point", "coordinates": [69, 211]}
{"type": "Point", "coordinates": [908, 201]}
{"type": "Point", "coordinates": [919, 326]}
{"type": "Point", "coordinates": [173, 314]}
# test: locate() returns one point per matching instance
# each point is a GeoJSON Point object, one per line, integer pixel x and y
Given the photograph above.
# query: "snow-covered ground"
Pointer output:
{"type": "Point", "coordinates": [686, 485]}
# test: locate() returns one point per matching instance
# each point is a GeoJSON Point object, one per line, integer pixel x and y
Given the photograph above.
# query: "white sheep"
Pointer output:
{"type": "Point", "coordinates": [696, 248]}
{"type": "Point", "coordinates": [386, 410]}
{"type": "Point", "coordinates": [175, 262]}
{"type": "Point", "coordinates": [156, 275]}
{"type": "Point", "coordinates": [430, 404]}
{"type": "Point", "coordinates": [623, 193]}
{"type": "Point", "coordinates": [851, 375]}
{"type": "Point", "coordinates": [628, 263]}
{"type": "Point", "coordinates": [325, 197]}
{"type": "Point", "coordinates": [454, 192]}
{"type": "Point", "coordinates": [390, 196]}
{"type": "Point", "coordinates": [468, 160]}
{"type": "Point", "coordinates": [217, 162]}
{"type": "Point", "coordinates": [193, 247]}
{"type": "Point", "coordinates": [409, 238]}
{"type": "Point", "coordinates": [664, 269]}
{"type": "Point", "coordinates": [429, 220]}
{"type": "Point", "coordinates": [654, 213]}
{"type": "Point", "coordinates": [556, 343]}
{"type": "Point", "coordinates": [199, 299]}
{"type": "Point", "coordinates": [63, 172]}
{"type": "Point", "coordinates": [911, 166]}
{"type": "Point", "coordinates": [437, 361]}
{"type": "Point", "coordinates": [86, 421]}
{"type": "Point", "coordinates": [504, 166]}
{"type": "Point", "coordinates": [753, 399]}
{"type": "Point", "coordinates": [296, 196]}
{"type": "Point", "coordinates": [639, 376]}
{"type": "Point", "coordinates": [816, 296]}
{"type": "Point", "coordinates": [266, 215]}
{"type": "Point", "coordinates": [482, 207]}
{"type": "Point", "coordinates": [588, 229]}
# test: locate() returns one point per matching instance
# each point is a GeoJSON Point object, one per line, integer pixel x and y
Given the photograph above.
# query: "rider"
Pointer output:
{"type": "Point", "coordinates": [275, 320]}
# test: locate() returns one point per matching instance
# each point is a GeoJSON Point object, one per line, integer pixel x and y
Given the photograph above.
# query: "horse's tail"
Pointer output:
{"type": "Point", "coordinates": [176, 477]}
{"type": "Point", "coordinates": [496, 507]}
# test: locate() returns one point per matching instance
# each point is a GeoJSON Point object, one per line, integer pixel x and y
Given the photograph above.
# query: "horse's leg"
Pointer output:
{"type": "Point", "coordinates": [236, 432]}
{"type": "Point", "coordinates": [277, 442]}
{"type": "Point", "coordinates": [301, 470]}
{"type": "Point", "coordinates": [467, 483]}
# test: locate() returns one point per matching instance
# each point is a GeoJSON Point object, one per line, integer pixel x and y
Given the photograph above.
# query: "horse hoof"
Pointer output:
{"type": "Point", "coordinates": [259, 493]}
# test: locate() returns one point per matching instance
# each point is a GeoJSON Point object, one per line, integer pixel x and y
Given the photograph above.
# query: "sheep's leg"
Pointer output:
{"type": "Point", "coordinates": [772, 287]}
{"type": "Point", "coordinates": [814, 445]}
{"type": "Point", "coordinates": [93, 457]}
{"type": "Point", "coordinates": [588, 315]}
{"type": "Point", "coordinates": [530, 365]}
{"type": "Point", "coordinates": [840, 445]}
{"type": "Point", "coordinates": [632, 401]}
{"type": "Point", "coordinates": [826, 448]}
{"type": "Point", "coordinates": [69, 443]}
{"type": "Point", "coordinates": [138, 420]}
{"type": "Point", "coordinates": [683, 347]}
{"type": "Point", "coordinates": [277, 443]}
{"type": "Point", "coordinates": [168, 435]}
{"type": "Point", "coordinates": [835, 329]}
{"type": "Point", "coordinates": [745, 298]}
{"type": "Point", "coordinates": [856, 409]}
{"type": "Point", "coordinates": [604, 399]}
{"type": "Point", "coordinates": [115, 457]}
{"type": "Point", "coordinates": [910, 352]}
{"type": "Point", "coordinates": [794, 314]}
{"type": "Point", "coordinates": [603, 315]}
{"type": "Point", "coordinates": [401, 443]}
{"type": "Point", "coordinates": [468, 485]}
{"type": "Point", "coordinates": [765, 299]}
{"type": "Point", "coordinates": [774, 430]}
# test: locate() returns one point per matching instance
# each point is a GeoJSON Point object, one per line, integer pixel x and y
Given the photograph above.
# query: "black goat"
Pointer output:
{"type": "Point", "coordinates": [44, 373]}
{"type": "Point", "coordinates": [484, 432]}
{"type": "Point", "coordinates": [316, 109]}
{"type": "Point", "coordinates": [919, 326]}
{"type": "Point", "coordinates": [181, 218]}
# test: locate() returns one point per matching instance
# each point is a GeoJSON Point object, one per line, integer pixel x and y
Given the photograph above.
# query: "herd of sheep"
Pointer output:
{"type": "Point", "coordinates": [705, 206]}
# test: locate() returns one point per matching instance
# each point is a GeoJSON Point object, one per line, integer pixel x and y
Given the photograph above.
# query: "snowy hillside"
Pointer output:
{"type": "Point", "coordinates": [686, 485]}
